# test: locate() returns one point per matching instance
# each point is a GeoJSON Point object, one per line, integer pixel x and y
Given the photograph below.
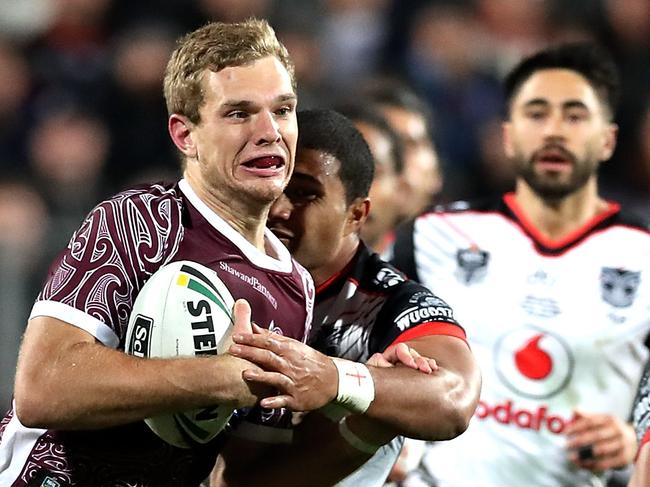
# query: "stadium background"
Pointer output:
{"type": "Point", "coordinates": [82, 113]}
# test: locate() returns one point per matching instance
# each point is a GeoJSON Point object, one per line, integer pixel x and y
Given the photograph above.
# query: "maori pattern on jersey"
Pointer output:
{"type": "Point", "coordinates": [119, 245]}
{"type": "Point", "coordinates": [641, 412]}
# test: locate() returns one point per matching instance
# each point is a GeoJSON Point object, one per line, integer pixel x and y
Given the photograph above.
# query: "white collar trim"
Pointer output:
{"type": "Point", "coordinates": [257, 257]}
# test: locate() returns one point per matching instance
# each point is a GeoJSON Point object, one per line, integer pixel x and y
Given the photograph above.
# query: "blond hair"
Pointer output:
{"type": "Point", "coordinates": [216, 46]}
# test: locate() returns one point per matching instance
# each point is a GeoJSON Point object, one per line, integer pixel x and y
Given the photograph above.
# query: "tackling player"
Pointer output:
{"type": "Point", "coordinates": [555, 277]}
{"type": "Point", "coordinates": [363, 306]}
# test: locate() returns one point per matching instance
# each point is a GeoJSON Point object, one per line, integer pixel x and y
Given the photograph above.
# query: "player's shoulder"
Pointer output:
{"type": "Point", "coordinates": [160, 202]}
{"type": "Point", "coordinates": [383, 277]}
{"type": "Point", "coordinates": [625, 218]}
{"type": "Point", "coordinates": [480, 206]}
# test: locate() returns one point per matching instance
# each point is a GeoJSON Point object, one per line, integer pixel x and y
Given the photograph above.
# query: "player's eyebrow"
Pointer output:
{"type": "Point", "coordinates": [244, 104]}
{"type": "Point", "coordinates": [536, 102]}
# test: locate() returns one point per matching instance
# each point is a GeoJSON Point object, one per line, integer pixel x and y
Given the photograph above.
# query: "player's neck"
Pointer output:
{"type": "Point", "coordinates": [557, 218]}
{"type": "Point", "coordinates": [247, 219]}
{"type": "Point", "coordinates": [331, 270]}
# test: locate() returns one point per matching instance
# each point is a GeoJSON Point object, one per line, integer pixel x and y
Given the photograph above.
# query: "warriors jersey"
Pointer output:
{"type": "Point", "coordinates": [360, 311]}
{"type": "Point", "coordinates": [93, 284]}
{"type": "Point", "coordinates": [555, 326]}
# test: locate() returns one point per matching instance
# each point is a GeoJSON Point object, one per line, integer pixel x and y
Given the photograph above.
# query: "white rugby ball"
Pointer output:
{"type": "Point", "coordinates": [183, 310]}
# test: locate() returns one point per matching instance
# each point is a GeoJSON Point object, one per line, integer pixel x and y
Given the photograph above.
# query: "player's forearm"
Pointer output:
{"type": "Point", "coordinates": [641, 475]}
{"type": "Point", "coordinates": [434, 406]}
{"type": "Point", "coordinates": [86, 385]}
{"type": "Point", "coordinates": [429, 407]}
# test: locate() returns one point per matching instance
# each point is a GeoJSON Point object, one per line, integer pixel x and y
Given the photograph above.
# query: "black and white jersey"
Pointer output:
{"type": "Point", "coordinates": [371, 305]}
{"type": "Point", "coordinates": [362, 310]}
{"type": "Point", "coordinates": [641, 413]}
{"type": "Point", "coordinates": [554, 325]}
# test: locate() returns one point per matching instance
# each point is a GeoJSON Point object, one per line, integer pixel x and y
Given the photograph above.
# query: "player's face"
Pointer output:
{"type": "Point", "coordinates": [558, 132]}
{"type": "Point", "coordinates": [420, 179]}
{"type": "Point", "coordinates": [383, 194]}
{"type": "Point", "coordinates": [311, 217]}
{"type": "Point", "coordinates": [245, 142]}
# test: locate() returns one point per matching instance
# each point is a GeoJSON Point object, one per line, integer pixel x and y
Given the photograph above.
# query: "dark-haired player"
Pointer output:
{"type": "Point", "coordinates": [363, 306]}
{"type": "Point", "coordinates": [551, 282]}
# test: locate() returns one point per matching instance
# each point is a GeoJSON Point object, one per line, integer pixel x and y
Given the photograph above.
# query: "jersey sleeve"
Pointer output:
{"type": "Point", "coordinates": [413, 311]}
{"type": "Point", "coordinates": [93, 283]}
{"type": "Point", "coordinates": [401, 253]}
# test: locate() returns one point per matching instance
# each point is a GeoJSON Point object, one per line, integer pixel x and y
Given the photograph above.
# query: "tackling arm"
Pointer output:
{"type": "Point", "coordinates": [432, 406]}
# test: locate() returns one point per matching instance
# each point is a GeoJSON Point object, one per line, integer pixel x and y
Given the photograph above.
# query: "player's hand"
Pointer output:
{"type": "Point", "coordinates": [403, 354]}
{"type": "Point", "coordinates": [305, 378]}
{"type": "Point", "coordinates": [599, 442]}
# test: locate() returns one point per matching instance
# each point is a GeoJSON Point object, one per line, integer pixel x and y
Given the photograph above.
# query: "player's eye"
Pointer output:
{"type": "Point", "coordinates": [237, 114]}
{"type": "Point", "coordinates": [284, 110]}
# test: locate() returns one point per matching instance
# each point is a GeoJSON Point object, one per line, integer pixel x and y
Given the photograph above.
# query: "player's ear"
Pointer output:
{"type": "Point", "coordinates": [357, 214]}
{"type": "Point", "coordinates": [609, 143]}
{"type": "Point", "coordinates": [180, 129]}
{"type": "Point", "coordinates": [506, 132]}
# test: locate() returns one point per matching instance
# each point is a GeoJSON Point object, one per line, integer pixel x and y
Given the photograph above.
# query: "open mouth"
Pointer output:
{"type": "Point", "coordinates": [265, 162]}
{"type": "Point", "coordinates": [554, 158]}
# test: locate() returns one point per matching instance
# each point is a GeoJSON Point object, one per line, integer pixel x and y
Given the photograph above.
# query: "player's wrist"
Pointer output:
{"type": "Point", "coordinates": [356, 388]}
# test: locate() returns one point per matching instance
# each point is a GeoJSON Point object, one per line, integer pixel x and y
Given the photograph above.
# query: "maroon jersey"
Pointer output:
{"type": "Point", "coordinates": [93, 284]}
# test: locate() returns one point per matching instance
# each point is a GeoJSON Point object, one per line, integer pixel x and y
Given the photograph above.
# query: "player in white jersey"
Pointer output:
{"type": "Point", "coordinates": [363, 306]}
{"type": "Point", "coordinates": [552, 283]}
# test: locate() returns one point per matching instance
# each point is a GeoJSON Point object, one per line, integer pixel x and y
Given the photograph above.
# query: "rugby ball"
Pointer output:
{"type": "Point", "coordinates": [183, 310]}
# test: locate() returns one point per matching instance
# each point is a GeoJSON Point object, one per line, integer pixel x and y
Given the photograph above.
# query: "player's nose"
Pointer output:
{"type": "Point", "coordinates": [281, 208]}
{"type": "Point", "coordinates": [267, 129]}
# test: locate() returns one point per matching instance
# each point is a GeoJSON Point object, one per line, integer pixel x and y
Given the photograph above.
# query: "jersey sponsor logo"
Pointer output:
{"type": "Point", "coordinates": [542, 307]}
{"type": "Point", "coordinates": [141, 337]}
{"type": "Point", "coordinates": [508, 414]}
{"type": "Point", "coordinates": [533, 363]}
{"type": "Point", "coordinates": [425, 298]}
{"type": "Point", "coordinates": [472, 264]}
{"type": "Point", "coordinates": [416, 315]}
{"type": "Point", "coordinates": [253, 281]}
{"type": "Point", "coordinates": [619, 286]}
{"type": "Point", "coordinates": [387, 277]}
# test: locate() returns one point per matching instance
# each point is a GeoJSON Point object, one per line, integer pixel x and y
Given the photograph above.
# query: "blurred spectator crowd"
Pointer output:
{"type": "Point", "coordinates": [82, 113]}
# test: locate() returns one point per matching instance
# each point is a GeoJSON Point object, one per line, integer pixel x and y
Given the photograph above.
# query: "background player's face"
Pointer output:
{"type": "Point", "coordinates": [421, 179]}
{"type": "Point", "coordinates": [311, 217]}
{"type": "Point", "coordinates": [384, 193]}
{"type": "Point", "coordinates": [245, 142]}
{"type": "Point", "coordinates": [558, 132]}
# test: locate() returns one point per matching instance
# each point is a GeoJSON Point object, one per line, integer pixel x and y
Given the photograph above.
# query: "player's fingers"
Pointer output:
{"type": "Point", "coordinates": [403, 353]}
{"type": "Point", "coordinates": [608, 448]}
{"type": "Point", "coordinates": [423, 365]}
{"type": "Point", "coordinates": [274, 379]}
{"type": "Point", "coordinates": [277, 402]}
{"type": "Point", "coordinates": [266, 359]}
{"type": "Point", "coordinates": [269, 341]}
{"type": "Point", "coordinates": [592, 436]}
{"type": "Point", "coordinates": [241, 311]}
{"type": "Point", "coordinates": [378, 360]}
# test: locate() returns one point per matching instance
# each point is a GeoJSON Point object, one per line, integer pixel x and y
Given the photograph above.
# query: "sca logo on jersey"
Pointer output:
{"type": "Point", "coordinates": [619, 286]}
{"type": "Point", "coordinates": [140, 338]}
{"type": "Point", "coordinates": [533, 363]}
